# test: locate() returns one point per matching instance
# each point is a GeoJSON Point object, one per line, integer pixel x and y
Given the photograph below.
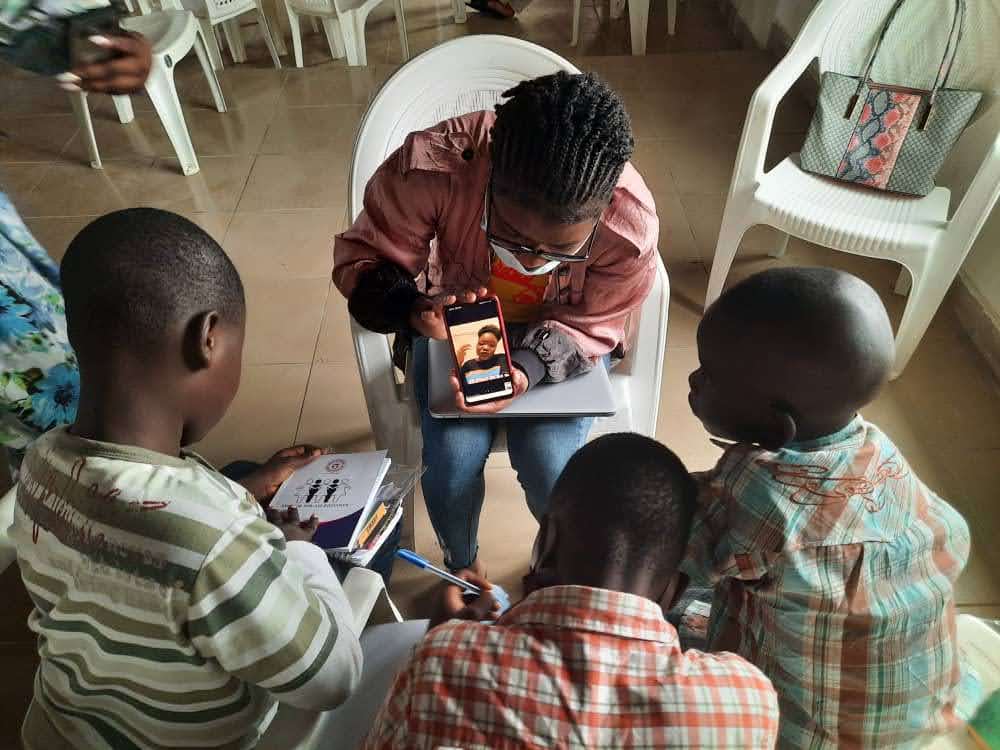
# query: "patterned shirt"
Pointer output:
{"type": "Point", "coordinates": [837, 568]}
{"type": "Point", "coordinates": [169, 613]}
{"type": "Point", "coordinates": [573, 667]}
{"type": "Point", "coordinates": [39, 380]}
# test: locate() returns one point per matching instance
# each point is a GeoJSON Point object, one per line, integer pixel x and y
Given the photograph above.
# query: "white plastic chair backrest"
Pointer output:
{"type": "Point", "coordinates": [911, 53]}
{"type": "Point", "coordinates": [979, 644]}
{"type": "Point", "coordinates": [8, 553]}
{"type": "Point", "coordinates": [217, 8]}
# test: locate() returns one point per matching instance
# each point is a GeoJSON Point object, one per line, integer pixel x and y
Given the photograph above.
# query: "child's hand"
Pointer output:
{"type": "Point", "coordinates": [427, 315]}
{"type": "Point", "coordinates": [125, 73]}
{"type": "Point", "coordinates": [454, 607]}
{"type": "Point", "coordinates": [266, 480]}
{"type": "Point", "coordinates": [519, 381]}
{"type": "Point", "coordinates": [294, 529]}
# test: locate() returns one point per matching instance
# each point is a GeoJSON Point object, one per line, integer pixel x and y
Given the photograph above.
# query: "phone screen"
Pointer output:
{"type": "Point", "coordinates": [479, 342]}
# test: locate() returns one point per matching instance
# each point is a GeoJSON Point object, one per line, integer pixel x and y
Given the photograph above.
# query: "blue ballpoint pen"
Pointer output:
{"type": "Point", "coordinates": [415, 559]}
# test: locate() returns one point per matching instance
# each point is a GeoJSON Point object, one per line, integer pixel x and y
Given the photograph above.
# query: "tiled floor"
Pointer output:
{"type": "Point", "coordinates": [272, 190]}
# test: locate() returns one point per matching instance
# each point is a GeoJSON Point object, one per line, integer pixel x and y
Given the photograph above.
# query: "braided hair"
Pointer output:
{"type": "Point", "coordinates": [560, 144]}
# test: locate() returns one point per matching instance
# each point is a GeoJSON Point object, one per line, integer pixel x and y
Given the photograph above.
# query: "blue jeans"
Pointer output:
{"type": "Point", "coordinates": [455, 453]}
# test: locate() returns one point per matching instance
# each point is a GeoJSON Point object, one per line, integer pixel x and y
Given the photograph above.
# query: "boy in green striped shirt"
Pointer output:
{"type": "Point", "coordinates": [169, 612]}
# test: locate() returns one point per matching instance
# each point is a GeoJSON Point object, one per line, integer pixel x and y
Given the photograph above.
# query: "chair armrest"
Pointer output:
{"type": "Point", "coordinates": [980, 197]}
{"type": "Point", "coordinates": [764, 103]}
{"type": "Point", "coordinates": [369, 599]}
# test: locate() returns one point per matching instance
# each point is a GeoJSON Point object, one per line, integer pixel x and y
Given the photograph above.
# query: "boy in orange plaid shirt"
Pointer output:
{"type": "Point", "coordinates": [587, 659]}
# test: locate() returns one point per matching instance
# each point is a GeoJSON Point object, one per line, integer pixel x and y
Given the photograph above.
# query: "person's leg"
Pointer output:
{"type": "Point", "coordinates": [539, 450]}
{"type": "Point", "coordinates": [455, 452]}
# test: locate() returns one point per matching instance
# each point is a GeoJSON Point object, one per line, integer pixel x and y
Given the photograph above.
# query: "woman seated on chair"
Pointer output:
{"type": "Point", "coordinates": [537, 204]}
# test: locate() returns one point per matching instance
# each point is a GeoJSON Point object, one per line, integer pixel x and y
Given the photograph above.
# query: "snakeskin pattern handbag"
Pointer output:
{"type": "Point", "coordinates": [884, 136]}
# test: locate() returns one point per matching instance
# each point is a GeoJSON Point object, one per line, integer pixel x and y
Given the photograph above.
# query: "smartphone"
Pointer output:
{"type": "Point", "coordinates": [478, 340]}
{"type": "Point", "coordinates": [99, 22]}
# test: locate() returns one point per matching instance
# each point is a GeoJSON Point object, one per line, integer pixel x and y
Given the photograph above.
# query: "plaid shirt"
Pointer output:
{"type": "Point", "coordinates": [574, 667]}
{"type": "Point", "coordinates": [837, 569]}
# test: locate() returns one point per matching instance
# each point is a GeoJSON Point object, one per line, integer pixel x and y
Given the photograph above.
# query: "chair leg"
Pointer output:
{"type": "Point", "coordinates": [460, 14]}
{"type": "Point", "coordinates": [732, 231]}
{"type": "Point", "coordinates": [163, 94]}
{"type": "Point", "coordinates": [234, 38]}
{"type": "Point", "coordinates": [352, 29]}
{"type": "Point", "coordinates": [332, 28]}
{"type": "Point", "coordinates": [212, 42]}
{"type": "Point", "coordinates": [903, 282]}
{"type": "Point", "coordinates": [82, 111]}
{"type": "Point", "coordinates": [200, 49]}
{"type": "Point", "coordinates": [577, 12]}
{"type": "Point", "coordinates": [930, 285]}
{"type": "Point", "coordinates": [265, 31]}
{"type": "Point", "coordinates": [638, 18]}
{"type": "Point", "coordinates": [404, 42]}
{"type": "Point", "coordinates": [314, 24]}
{"type": "Point", "coordinates": [293, 23]}
{"type": "Point", "coordinates": [781, 247]}
{"type": "Point", "coordinates": [123, 107]}
{"type": "Point", "coordinates": [671, 17]}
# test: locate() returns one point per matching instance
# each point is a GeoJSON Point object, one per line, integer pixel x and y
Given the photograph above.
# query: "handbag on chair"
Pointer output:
{"type": "Point", "coordinates": [885, 136]}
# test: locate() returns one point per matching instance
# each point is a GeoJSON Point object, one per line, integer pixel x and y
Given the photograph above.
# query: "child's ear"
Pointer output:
{"type": "Point", "coordinates": [201, 340]}
{"type": "Point", "coordinates": [783, 430]}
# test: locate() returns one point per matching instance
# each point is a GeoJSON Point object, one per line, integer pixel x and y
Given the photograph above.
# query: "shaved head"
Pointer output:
{"type": "Point", "coordinates": [814, 344]}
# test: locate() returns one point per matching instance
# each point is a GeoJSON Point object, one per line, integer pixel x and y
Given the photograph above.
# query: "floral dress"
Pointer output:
{"type": "Point", "coordinates": [39, 378]}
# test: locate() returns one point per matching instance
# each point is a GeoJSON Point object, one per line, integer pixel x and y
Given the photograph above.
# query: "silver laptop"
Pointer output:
{"type": "Point", "coordinates": [586, 395]}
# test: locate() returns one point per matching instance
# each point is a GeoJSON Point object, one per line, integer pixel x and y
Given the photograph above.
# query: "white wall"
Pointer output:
{"type": "Point", "coordinates": [981, 271]}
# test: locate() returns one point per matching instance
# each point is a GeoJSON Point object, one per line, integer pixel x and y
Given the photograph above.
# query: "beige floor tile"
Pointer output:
{"type": "Point", "coordinates": [658, 113]}
{"type": "Point", "coordinates": [329, 87]}
{"type": "Point", "coordinates": [702, 162]}
{"type": "Point", "coordinates": [688, 282]}
{"type": "Point", "coordinates": [677, 427]}
{"type": "Point", "coordinates": [238, 131]}
{"type": "Point", "coordinates": [704, 213]}
{"type": "Point", "coordinates": [214, 222]}
{"type": "Point", "coordinates": [243, 87]}
{"type": "Point", "coordinates": [297, 130]}
{"type": "Point", "coordinates": [35, 139]}
{"type": "Point", "coordinates": [263, 417]}
{"type": "Point", "coordinates": [56, 232]}
{"type": "Point", "coordinates": [291, 181]}
{"type": "Point", "coordinates": [216, 187]}
{"type": "Point", "coordinates": [18, 180]}
{"type": "Point", "coordinates": [79, 190]}
{"type": "Point", "coordinates": [336, 347]}
{"type": "Point", "coordinates": [283, 319]}
{"type": "Point", "coordinates": [677, 242]}
{"type": "Point", "coordinates": [283, 244]}
{"type": "Point", "coordinates": [33, 95]}
{"type": "Point", "coordinates": [334, 413]}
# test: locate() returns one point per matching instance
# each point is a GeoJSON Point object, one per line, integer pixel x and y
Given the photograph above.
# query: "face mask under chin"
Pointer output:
{"type": "Point", "coordinates": [510, 260]}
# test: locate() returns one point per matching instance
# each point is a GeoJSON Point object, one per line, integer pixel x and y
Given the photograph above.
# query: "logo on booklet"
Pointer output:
{"type": "Point", "coordinates": [335, 466]}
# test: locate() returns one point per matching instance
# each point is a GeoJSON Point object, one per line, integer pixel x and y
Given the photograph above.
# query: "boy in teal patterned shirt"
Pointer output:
{"type": "Point", "coordinates": [834, 564]}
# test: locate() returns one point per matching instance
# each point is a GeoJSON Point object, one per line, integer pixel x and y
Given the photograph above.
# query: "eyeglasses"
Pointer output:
{"type": "Point", "coordinates": [515, 247]}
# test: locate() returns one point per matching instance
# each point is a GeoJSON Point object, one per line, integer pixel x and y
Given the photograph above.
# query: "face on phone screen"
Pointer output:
{"type": "Point", "coordinates": [480, 355]}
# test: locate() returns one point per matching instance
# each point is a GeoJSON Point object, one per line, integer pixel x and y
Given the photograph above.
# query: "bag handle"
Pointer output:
{"type": "Point", "coordinates": [944, 69]}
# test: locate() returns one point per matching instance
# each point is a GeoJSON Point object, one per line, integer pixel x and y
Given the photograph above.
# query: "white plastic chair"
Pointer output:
{"type": "Point", "coordinates": [211, 13]}
{"type": "Point", "coordinates": [916, 232]}
{"type": "Point", "coordinates": [344, 24]}
{"type": "Point", "coordinates": [172, 33]}
{"type": "Point", "coordinates": [979, 646]}
{"type": "Point", "coordinates": [457, 77]}
{"type": "Point", "coordinates": [638, 17]}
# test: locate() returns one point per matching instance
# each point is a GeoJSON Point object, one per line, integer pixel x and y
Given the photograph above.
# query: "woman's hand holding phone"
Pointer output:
{"type": "Point", "coordinates": [518, 379]}
{"type": "Point", "coordinates": [427, 315]}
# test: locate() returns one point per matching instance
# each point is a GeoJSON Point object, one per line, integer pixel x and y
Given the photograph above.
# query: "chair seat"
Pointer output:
{"type": "Point", "coordinates": [846, 217]}
{"type": "Point", "coordinates": [167, 30]}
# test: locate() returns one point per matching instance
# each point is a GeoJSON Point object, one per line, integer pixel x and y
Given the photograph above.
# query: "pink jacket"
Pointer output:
{"type": "Point", "coordinates": [423, 210]}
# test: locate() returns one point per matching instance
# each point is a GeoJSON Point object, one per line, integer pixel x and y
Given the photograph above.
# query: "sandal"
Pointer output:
{"type": "Point", "coordinates": [486, 8]}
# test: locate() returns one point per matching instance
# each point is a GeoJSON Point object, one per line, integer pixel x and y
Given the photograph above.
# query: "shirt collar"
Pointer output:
{"type": "Point", "coordinates": [848, 432]}
{"type": "Point", "coordinates": [596, 611]}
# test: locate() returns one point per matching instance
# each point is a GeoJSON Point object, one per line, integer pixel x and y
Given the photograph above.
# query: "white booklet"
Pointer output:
{"type": "Point", "coordinates": [340, 490]}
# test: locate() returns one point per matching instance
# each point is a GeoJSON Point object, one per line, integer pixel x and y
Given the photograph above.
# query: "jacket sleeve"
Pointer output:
{"type": "Point", "coordinates": [275, 615]}
{"type": "Point", "coordinates": [390, 240]}
{"type": "Point", "coordinates": [575, 335]}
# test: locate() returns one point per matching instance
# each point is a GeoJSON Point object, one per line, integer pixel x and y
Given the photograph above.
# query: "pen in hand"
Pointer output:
{"type": "Point", "coordinates": [415, 559]}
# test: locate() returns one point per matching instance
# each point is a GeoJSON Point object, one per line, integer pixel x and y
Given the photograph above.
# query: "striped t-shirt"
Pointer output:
{"type": "Point", "coordinates": [169, 613]}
